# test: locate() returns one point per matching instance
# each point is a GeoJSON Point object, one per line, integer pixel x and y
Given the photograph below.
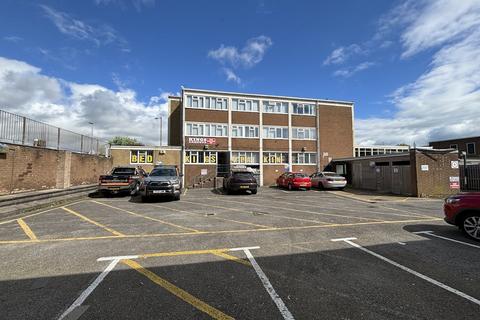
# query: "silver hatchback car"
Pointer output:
{"type": "Point", "coordinates": [328, 180]}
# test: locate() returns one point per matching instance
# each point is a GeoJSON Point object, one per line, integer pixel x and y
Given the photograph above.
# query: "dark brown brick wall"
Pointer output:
{"type": "Point", "coordinates": [461, 143]}
{"type": "Point", "coordinates": [175, 123]}
{"type": "Point", "coordinates": [29, 168]}
{"type": "Point", "coordinates": [245, 144]}
{"type": "Point", "coordinates": [436, 181]}
{"type": "Point", "coordinates": [271, 173]}
{"type": "Point", "coordinates": [245, 117]}
{"type": "Point", "coordinates": [275, 119]}
{"type": "Point", "coordinates": [310, 145]}
{"type": "Point", "coordinates": [304, 121]}
{"type": "Point", "coordinates": [193, 171]}
{"type": "Point", "coordinates": [275, 145]}
{"type": "Point", "coordinates": [307, 169]}
{"type": "Point", "coordinates": [336, 133]}
{"type": "Point", "coordinates": [199, 115]}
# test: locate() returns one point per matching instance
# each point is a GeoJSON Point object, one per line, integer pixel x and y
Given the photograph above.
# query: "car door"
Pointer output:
{"type": "Point", "coordinates": [320, 178]}
{"type": "Point", "coordinates": [281, 180]}
{"type": "Point", "coordinates": [314, 180]}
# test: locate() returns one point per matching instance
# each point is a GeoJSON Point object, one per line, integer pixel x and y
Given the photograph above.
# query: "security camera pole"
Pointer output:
{"type": "Point", "coordinates": [465, 180]}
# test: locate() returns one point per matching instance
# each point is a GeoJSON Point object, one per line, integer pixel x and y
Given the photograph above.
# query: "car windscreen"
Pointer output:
{"type": "Point", "coordinates": [163, 173]}
{"type": "Point", "coordinates": [124, 171]}
{"type": "Point", "coordinates": [299, 175]}
{"type": "Point", "coordinates": [243, 175]}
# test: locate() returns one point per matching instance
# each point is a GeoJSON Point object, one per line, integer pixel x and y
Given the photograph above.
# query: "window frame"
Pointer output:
{"type": "Point", "coordinates": [274, 104]}
{"type": "Point", "coordinates": [296, 106]}
{"type": "Point", "coordinates": [247, 104]}
{"type": "Point", "coordinates": [243, 128]}
{"type": "Point", "coordinates": [207, 102]}
{"type": "Point", "coordinates": [304, 155]}
{"type": "Point", "coordinates": [200, 154]}
{"type": "Point", "coordinates": [247, 155]}
{"type": "Point", "coordinates": [275, 129]}
{"type": "Point", "coordinates": [304, 130]}
{"type": "Point", "coordinates": [212, 130]}
{"type": "Point", "coordinates": [474, 148]}
{"type": "Point", "coordinates": [282, 155]}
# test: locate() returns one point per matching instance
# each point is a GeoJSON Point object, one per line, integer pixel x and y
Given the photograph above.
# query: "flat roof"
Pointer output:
{"type": "Point", "coordinates": [146, 147]}
{"type": "Point", "coordinates": [454, 139]}
{"type": "Point", "coordinates": [396, 155]}
{"type": "Point", "coordinates": [384, 147]}
{"type": "Point", "coordinates": [326, 101]}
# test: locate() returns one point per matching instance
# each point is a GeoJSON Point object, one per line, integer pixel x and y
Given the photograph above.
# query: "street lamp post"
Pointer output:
{"type": "Point", "coordinates": [161, 134]}
{"type": "Point", "coordinates": [91, 137]}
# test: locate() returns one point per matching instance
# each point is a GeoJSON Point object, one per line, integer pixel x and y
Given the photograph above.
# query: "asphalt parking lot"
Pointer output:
{"type": "Point", "coordinates": [274, 255]}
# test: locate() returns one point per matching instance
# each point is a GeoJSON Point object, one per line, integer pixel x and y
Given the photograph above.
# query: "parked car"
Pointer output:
{"type": "Point", "coordinates": [328, 180]}
{"type": "Point", "coordinates": [120, 179]}
{"type": "Point", "coordinates": [240, 180]}
{"type": "Point", "coordinates": [463, 210]}
{"type": "Point", "coordinates": [294, 180]}
{"type": "Point", "coordinates": [162, 181]}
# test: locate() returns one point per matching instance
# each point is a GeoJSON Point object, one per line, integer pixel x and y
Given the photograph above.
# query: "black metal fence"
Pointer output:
{"type": "Point", "coordinates": [17, 129]}
{"type": "Point", "coordinates": [472, 183]}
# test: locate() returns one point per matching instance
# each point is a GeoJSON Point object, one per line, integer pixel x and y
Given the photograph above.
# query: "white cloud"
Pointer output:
{"type": "Point", "coordinates": [100, 35]}
{"type": "Point", "coordinates": [25, 90]}
{"type": "Point", "coordinates": [137, 4]}
{"type": "Point", "coordinates": [348, 72]}
{"type": "Point", "coordinates": [12, 38]}
{"type": "Point", "coordinates": [231, 76]}
{"type": "Point", "coordinates": [444, 102]}
{"type": "Point", "coordinates": [341, 54]}
{"type": "Point", "coordinates": [233, 58]}
{"type": "Point", "coordinates": [251, 54]}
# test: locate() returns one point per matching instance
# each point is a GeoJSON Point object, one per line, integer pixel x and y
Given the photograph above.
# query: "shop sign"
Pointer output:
{"type": "Point", "coordinates": [195, 140]}
{"type": "Point", "coordinates": [454, 182]}
{"type": "Point", "coordinates": [141, 156]}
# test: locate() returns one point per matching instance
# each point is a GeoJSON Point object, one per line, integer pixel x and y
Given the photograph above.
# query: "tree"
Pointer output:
{"type": "Point", "coordinates": [124, 141]}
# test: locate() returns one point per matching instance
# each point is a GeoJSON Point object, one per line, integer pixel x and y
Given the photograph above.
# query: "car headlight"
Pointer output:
{"type": "Point", "coordinates": [451, 200]}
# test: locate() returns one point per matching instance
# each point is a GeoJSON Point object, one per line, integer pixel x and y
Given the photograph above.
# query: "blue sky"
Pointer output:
{"type": "Point", "coordinates": [116, 60]}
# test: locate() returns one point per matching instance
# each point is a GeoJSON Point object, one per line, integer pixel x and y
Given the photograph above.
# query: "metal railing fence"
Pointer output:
{"type": "Point", "coordinates": [473, 177]}
{"type": "Point", "coordinates": [21, 130]}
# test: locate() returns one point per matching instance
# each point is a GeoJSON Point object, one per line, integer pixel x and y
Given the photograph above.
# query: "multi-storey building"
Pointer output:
{"type": "Point", "coordinates": [270, 134]}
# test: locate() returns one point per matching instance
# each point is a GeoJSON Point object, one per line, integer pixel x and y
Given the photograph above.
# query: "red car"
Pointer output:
{"type": "Point", "coordinates": [463, 210]}
{"type": "Point", "coordinates": [294, 180]}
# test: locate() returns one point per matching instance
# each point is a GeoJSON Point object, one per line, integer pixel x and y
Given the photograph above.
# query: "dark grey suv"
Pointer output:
{"type": "Point", "coordinates": [162, 181]}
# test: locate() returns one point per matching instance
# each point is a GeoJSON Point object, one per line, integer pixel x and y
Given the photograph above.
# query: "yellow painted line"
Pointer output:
{"type": "Point", "coordinates": [268, 215]}
{"type": "Point", "coordinates": [211, 217]}
{"type": "Point", "coordinates": [227, 256]}
{"type": "Point", "coordinates": [178, 292]}
{"type": "Point", "coordinates": [98, 224]}
{"type": "Point", "coordinates": [304, 211]}
{"type": "Point", "coordinates": [27, 229]}
{"type": "Point", "coordinates": [158, 235]}
{"type": "Point", "coordinates": [38, 213]}
{"type": "Point", "coordinates": [180, 253]}
{"type": "Point", "coordinates": [147, 217]}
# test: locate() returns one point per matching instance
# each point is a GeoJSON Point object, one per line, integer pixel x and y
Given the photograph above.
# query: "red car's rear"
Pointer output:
{"type": "Point", "coordinates": [300, 180]}
{"type": "Point", "coordinates": [463, 210]}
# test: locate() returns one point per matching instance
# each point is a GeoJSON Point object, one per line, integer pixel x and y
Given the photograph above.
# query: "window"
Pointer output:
{"type": "Point", "coordinates": [303, 108]}
{"type": "Point", "coordinates": [206, 129]}
{"type": "Point", "coordinates": [275, 107]}
{"type": "Point", "coordinates": [203, 157]}
{"type": "Point", "coordinates": [471, 148]}
{"type": "Point", "coordinates": [141, 156]}
{"type": "Point", "coordinates": [241, 131]}
{"type": "Point", "coordinates": [454, 146]}
{"type": "Point", "coordinates": [202, 102]}
{"type": "Point", "coordinates": [275, 157]}
{"type": "Point", "coordinates": [245, 105]}
{"type": "Point", "coordinates": [245, 157]}
{"type": "Point", "coordinates": [304, 133]}
{"type": "Point", "coordinates": [304, 158]}
{"type": "Point", "coordinates": [275, 132]}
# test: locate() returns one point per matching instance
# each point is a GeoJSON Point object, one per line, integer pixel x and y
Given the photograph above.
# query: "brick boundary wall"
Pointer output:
{"type": "Point", "coordinates": [24, 168]}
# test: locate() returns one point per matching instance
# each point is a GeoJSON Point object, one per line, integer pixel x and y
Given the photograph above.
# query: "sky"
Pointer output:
{"type": "Point", "coordinates": [412, 68]}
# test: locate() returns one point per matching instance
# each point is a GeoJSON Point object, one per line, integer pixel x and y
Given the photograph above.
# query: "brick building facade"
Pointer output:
{"type": "Point", "coordinates": [469, 145]}
{"type": "Point", "coordinates": [270, 134]}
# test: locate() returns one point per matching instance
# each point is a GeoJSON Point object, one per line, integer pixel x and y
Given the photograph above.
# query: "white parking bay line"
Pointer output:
{"type": "Point", "coordinates": [430, 233]}
{"type": "Point", "coordinates": [415, 273]}
{"type": "Point", "coordinates": [90, 289]}
{"type": "Point", "coordinates": [268, 286]}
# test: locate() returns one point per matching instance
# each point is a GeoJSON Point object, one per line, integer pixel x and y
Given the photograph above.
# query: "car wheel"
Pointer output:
{"type": "Point", "coordinates": [176, 198]}
{"type": "Point", "coordinates": [144, 198]}
{"type": "Point", "coordinates": [254, 191]}
{"type": "Point", "coordinates": [290, 187]}
{"type": "Point", "coordinates": [341, 189]}
{"type": "Point", "coordinates": [471, 225]}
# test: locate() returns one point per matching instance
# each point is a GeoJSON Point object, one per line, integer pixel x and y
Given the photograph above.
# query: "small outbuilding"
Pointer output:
{"type": "Point", "coordinates": [418, 172]}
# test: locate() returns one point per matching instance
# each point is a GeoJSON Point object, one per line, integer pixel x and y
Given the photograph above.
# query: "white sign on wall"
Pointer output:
{"type": "Point", "coordinates": [204, 172]}
{"type": "Point", "coordinates": [454, 164]}
{"type": "Point", "coordinates": [424, 167]}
